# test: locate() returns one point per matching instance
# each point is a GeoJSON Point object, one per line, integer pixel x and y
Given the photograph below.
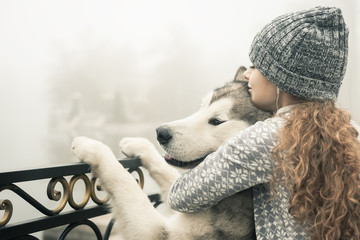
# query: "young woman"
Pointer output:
{"type": "Point", "coordinates": [304, 163]}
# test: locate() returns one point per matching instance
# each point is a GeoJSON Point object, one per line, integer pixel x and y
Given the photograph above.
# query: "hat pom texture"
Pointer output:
{"type": "Point", "coordinates": [304, 53]}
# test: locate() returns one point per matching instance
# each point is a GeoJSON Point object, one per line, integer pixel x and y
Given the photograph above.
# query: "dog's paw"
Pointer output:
{"type": "Point", "coordinates": [88, 150]}
{"type": "Point", "coordinates": [136, 147]}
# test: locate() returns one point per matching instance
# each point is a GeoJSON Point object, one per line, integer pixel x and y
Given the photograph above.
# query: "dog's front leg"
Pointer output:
{"type": "Point", "coordinates": [133, 210]}
{"type": "Point", "coordinates": [159, 170]}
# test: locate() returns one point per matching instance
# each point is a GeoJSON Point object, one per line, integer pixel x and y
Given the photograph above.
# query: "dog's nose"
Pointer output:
{"type": "Point", "coordinates": [163, 135]}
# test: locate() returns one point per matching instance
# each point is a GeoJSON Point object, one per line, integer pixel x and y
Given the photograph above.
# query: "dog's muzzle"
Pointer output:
{"type": "Point", "coordinates": [163, 135]}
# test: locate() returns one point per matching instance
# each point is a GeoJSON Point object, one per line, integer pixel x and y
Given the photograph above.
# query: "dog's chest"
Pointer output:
{"type": "Point", "coordinates": [233, 217]}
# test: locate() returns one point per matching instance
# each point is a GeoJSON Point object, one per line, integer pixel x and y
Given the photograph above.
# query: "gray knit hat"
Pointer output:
{"type": "Point", "coordinates": [304, 53]}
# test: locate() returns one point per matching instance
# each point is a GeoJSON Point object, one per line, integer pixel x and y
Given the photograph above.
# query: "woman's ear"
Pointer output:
{"type": "Point", "coordinates": [239, 76]}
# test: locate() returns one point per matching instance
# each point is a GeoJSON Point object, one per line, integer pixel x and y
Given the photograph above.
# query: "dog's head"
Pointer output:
{"type": "Point", "coordinates": [222, 114]}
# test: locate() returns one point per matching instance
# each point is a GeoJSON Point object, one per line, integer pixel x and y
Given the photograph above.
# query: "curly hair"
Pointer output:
{"type": "Point", "coordinates": [318, 158]}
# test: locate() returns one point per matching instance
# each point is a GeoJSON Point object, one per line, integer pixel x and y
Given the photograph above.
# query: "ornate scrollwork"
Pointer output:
{"type": "Point", "coordinates": [88, 223]}
{"type": "Point", "coordinates": [88, 187]}
{"type": "Point", "coordinates": [94, 197]}
{"type": "Point", "coordinates": [6, 205]}
{"type": "Point", "coordinates": [63, 196]}
{"type": "Point", "coordinates": [56, 195]}
{"type": "Point", "coordinates": [141, 179]}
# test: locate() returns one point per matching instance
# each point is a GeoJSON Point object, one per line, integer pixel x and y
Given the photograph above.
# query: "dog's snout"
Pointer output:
{"type": "Point", "coordinates": [163, 135]}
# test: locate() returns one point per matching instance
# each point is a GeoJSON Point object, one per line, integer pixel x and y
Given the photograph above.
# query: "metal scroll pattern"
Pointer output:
{"type": "Point", "coordinates": [65, 196]}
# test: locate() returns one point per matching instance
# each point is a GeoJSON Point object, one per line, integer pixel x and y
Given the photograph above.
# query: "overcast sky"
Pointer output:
{"type": "Point", "coordinates": [36, 35]}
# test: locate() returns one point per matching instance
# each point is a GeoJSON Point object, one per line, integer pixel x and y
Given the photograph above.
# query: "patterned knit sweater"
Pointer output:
{"type": "Point", "coordinates": [243, 162]}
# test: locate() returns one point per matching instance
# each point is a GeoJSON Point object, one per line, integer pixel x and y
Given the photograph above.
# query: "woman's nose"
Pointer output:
{"type": "Point", "coordinates": [247, 73]}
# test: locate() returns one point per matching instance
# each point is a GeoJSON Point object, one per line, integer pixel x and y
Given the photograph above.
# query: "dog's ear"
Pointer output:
{"type": "Point", "coordinates": [239, 76]}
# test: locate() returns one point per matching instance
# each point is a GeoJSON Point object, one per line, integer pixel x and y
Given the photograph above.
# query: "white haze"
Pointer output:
{"type": "Point", "coordinates": [159, 56]}
{"type": "Point", "coordinates": [116, 68]}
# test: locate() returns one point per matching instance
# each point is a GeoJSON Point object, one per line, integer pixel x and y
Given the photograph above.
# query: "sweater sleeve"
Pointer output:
{"type": "Point", "coordinates": [243, 162]}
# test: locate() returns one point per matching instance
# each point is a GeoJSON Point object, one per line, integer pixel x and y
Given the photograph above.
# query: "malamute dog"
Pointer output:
{"type": "Point", "coordinates": [187, 142]}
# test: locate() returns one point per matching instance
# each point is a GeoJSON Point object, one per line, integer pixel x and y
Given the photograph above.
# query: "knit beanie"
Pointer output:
{"type": "Point", "coordinates": [304, 53]}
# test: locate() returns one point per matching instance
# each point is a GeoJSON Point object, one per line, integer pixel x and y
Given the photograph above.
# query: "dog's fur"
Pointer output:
{"type": "Point", "coordinates": [187, 142]}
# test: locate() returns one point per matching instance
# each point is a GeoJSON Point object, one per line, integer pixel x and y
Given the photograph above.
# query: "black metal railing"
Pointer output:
{"type": "Point", "coordinates": [80, 214]}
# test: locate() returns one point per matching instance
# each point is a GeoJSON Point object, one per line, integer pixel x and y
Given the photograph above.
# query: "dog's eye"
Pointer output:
{"type": "Point", "coordinates": [215, 121]}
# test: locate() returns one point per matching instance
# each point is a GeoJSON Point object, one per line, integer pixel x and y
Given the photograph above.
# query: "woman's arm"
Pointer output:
{"type": "Point", "coordinates": [241, 163]}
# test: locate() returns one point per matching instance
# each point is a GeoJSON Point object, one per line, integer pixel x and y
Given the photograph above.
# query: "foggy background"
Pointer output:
{"type": "Point", "coordinates": [110, 69]}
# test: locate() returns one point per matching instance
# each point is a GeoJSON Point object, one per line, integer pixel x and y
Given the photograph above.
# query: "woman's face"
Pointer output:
{"type": "Point", "coordinates": [263, 92]}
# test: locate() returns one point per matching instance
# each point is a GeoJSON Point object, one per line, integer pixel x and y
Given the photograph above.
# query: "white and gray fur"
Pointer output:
{"type": "Point", "coordinates": [222, 114]}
